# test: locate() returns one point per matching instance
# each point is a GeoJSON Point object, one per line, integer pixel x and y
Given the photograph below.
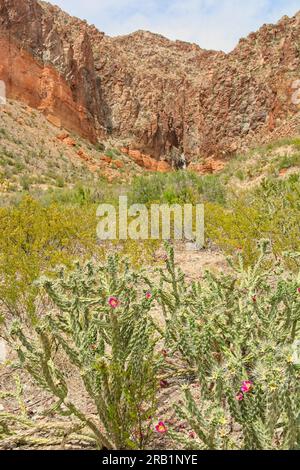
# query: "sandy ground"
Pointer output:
{"type": "Point", "coordinates": [195, 263]}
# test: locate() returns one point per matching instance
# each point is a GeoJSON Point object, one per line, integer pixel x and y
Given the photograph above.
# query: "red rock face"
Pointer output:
{"type": "Point", "coordinates": [43, 70]}
{"type": "Point", "coordinates": [42, 87]}
{"type": "Point", "coordinates": [146, 161]}
{"type": "Point", "coordinates": [164, 95]}
{"type": "Point", "coordinates": [205, 103]}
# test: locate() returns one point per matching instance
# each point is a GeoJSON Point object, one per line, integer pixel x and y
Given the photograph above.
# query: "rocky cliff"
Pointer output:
{"type": "Point", "coordinates": [45, 67]}
{"type": "Point", "coordinates": [166, 97]}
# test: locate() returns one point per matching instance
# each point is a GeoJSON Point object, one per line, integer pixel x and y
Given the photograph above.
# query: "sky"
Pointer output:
{"type": "Point", "coordinates": [212, 24]}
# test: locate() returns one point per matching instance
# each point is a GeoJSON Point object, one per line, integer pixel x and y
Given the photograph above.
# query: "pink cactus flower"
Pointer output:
{"type": "Point", "coordinates": [113, 302]}
{"type": "Point", "coordinates": [239, 396]}
{"type": "Point", "coordinates": [161, 427]}
{"type": "Point", "coordinates": [163, 384]}
{"type": "Point", "coordinates": [298, 290]}
{"type": "Point", "coordinates": [246, 386]}
{"type": "Point", "coordinates": [148, 295]}
{"type": "Point", "coordinates": [192, 435]}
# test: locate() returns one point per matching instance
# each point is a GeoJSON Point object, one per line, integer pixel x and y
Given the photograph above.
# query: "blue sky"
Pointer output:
{"type": "Point", "coordinates": [213, 24]}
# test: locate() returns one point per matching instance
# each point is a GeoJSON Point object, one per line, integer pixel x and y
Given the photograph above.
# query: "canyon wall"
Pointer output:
{"type": "Point", "coordinates": [44, 70]}
{"type": "Point", "coordinates": [165, 97]}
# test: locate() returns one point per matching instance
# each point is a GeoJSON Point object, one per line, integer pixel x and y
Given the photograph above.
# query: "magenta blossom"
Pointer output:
{"type": "Point", "coordinates": [148, 295]}
{"type": "Point", "coordinates": [113, 302]}
{"type": "Point", "coordinates": [161, 427]}
{"type": "Point", "coordinates": [239, 396]}
{"type": "Point", "coordinates": [163, 384]}
{"type": "Point", "coordinates": [246, 386]}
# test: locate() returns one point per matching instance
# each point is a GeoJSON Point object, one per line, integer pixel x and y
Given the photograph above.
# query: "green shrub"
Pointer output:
{"type": "Point", "coordinates": [35, 238]}
{"type": "Point", "coordinates": [296, 143]}
{"type": "Point", "coordinates": [287, 162]}
{"type": "Point", "coordinates": [98, 320]}
{"type": "Point", "coordinates": [60, 182]}
{"type": "Point", "coordinates": [25, 183]}
{"type": "Point", "coordinates": [100, 147]}
{"type": "Point", "coordinates": [112, 153]}
{"type": "Point", "coordinates": [3, 132]}
{"type": "Point", "coordinates": [270, 211]}
{"type": "Point", "coordinates": [234, 333]}
{"type": "Point", "coordinates": [177, 187]}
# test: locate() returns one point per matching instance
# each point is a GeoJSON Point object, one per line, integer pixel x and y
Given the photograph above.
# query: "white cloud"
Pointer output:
{"type": "Point", "coordinates": [213, 24]}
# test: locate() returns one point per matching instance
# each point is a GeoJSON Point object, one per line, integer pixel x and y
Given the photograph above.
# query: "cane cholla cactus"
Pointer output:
{"type": "Point", "coordinates": [235, 334]}
{"type": "Point", "coordinates": [100, 319]}
{"type": "Point", "coordinates": [21, 429]}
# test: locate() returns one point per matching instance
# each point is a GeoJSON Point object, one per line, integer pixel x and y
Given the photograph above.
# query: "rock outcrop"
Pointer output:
{"type": "Point", "coordinates": [161, 94]}
{"type": "Point", "coordinates": [146, 161]}
{"type": "Point", "coordinates": [44, 68]}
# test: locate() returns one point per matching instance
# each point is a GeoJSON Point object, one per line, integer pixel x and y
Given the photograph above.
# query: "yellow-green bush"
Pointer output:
{"type": "Point", "coordinates": [271, 211]}
{"type": "Point", "coordinates": [34, 238]}
{"type": "Point", "coordinates": [37, 234]}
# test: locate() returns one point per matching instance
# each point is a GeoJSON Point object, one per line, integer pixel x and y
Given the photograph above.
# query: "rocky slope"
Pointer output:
{"type": "Point", "coordinates": [164, 97]}
{"type": "Point", "coordinates": [36, 156]}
